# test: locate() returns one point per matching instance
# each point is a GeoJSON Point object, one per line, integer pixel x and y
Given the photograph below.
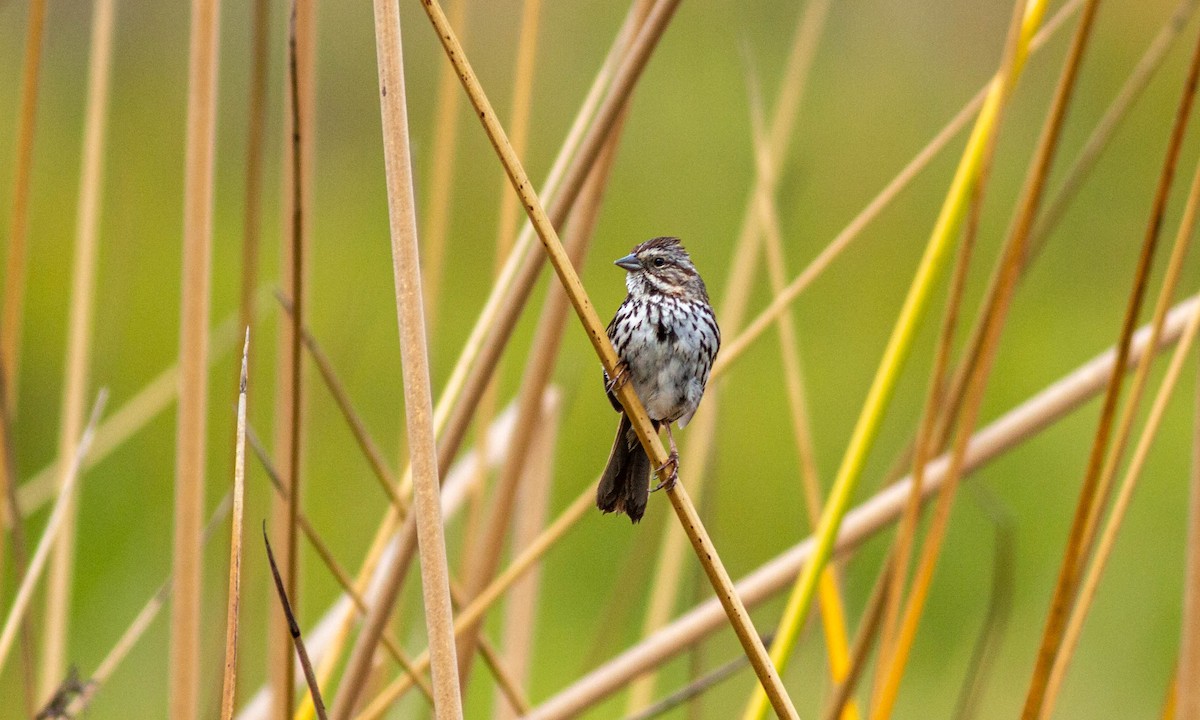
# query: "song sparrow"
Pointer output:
{"type": "Point", "coordinates": [666, 336]}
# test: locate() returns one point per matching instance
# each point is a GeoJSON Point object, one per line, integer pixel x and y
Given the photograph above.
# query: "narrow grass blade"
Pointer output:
{"type": "Point", "coordinates": [79, 336]}
{"type": "Point", "coordinates": [294, 629]}
{"type": "Point", "coordinates": [234, 602]}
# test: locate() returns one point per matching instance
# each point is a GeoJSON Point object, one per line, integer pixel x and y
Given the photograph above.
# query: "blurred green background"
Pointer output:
{"type": "Point", "coordinates": [888, 74]}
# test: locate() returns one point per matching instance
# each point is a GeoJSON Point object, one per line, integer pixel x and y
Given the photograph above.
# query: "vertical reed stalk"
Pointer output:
{"type": "Point", "coordinates": [16, 260]}
{"type": "Point", "coordinates": [739, 284]}
{"type": "Point", "coordinates": [751, 642]}
{"type": "Point", "coordinates": [897, 351]}
{"type": "Point", "coordinates": [255, 144]}
{"type": "Point", "coordinates": [79, 336]}
{"type": "Point", "coordinates": [298, 155]}
{"type": "Point", "coordinates": [1028, 206]}
{"type": "Point", "coordinates": [1067, 583]}
{"type": "Point", "coordinates": [1091, 582]}
{"type": "Point", "coordinates": [232, 613]}
{"type": "Point", "coordinates": [418, 403]}
{"type": "Point", "coordinates": [193, 359]}
{"type": "Point", "coordinates": [436, 228]}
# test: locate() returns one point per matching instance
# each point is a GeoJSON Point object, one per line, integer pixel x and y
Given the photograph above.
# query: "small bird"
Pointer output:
{"type": "Point", "coordinates": [666, 337]}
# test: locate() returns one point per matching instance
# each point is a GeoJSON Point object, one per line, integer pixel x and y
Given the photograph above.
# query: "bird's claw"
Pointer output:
{"type": "Point", "coordinates": [619, 379]}
{"type": "Point", "coordinates": [673, 463]}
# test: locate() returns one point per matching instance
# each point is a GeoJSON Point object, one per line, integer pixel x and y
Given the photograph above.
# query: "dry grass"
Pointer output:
{"type": "Point", "coordinates": [503, 388]}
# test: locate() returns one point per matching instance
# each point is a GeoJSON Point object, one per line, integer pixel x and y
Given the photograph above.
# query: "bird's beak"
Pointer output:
{"type": "Point", "coordinates": [629, 262]}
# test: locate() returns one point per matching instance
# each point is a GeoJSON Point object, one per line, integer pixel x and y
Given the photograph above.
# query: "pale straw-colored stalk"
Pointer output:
{"type": "Point", "coordinates": [1012, 428]}
{"type": "Point", "coordinates": [435, 228]}
{"type": "Point", "coordinates": [16, 260]}
{"type": "Point", "coordinates": [234, 591]}
{"type": "Point", "coordinates": [418, 403]}
{"type": "Point", "coordinates": [1011, 264]}
{"type": "Point", "coordinates": [58, 515]}
{"type": "Point", "coordinates": [1108, 537]}
{"type": "Point", "coordinates": [898, 348]}
{"type": "Point", "coordinates": [739, 618]}
{"type": "Point", "coordinates": [732, 312]}
{"type": "Point", "coordinates": [1183, 239]}
{"type": "Point", "coordinates": [79, 337]}
{"type": "Point", "coordinates": [191, 426]}
{"type": "Point", "coordinates": [1067, 584]}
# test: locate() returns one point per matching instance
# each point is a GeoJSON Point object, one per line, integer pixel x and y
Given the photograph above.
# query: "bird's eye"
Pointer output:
{"type": "Point", "coordinates": [659, 262]}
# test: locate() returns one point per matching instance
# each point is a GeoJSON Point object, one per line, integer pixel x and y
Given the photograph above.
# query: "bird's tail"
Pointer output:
{"type": "Point", "coordinates": [625, 484]}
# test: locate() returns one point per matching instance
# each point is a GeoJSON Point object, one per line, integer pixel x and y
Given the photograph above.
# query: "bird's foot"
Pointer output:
{"type": "Point", "coordinates": [619, 379]}
{"type": "Point", "coordinates": [672, 463]}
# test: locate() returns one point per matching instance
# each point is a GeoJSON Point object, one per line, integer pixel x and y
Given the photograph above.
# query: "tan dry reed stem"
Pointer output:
{"type": "Point", "coordinates": [233, 604]}
{"type": "Point", "coordinates": [738, 286]}
{"type": "Point", "coordinates": [1068, 579]}
{"type": "Point", "coordinates": [518, 121]}
{"type": "Point", "coordinates": [435, 228]}
{"type": "Point", "coordinates": [1108, 538]}
{"type": "Point", "coordinates": [418, 404]}
{"type": "Point", "coordinates": [298, 231]}
{"type": "Point", "coordinates": [832, 605]}
{"type": "Point", "coordinates": [58, 516]}
{"type": "Point", "coordinates": [1179, 250]}
{"type": "Point", "coordinates": [335, 568]}
{"type": "Point", "coordinates": [193, 359]}
{"type": "Point", "coordinates": [535, 379]}
{"type": "Point", "coordinates": [751, 642]}
{"type": "Point", "coordinates": [1029, 204]}
{"type": "Point", "coordinates": [79, 336]}
{"type": "Point", "coordinates": [18, 232]}
{"type": "Point", "coordinates": [1186, 695]}
{"type": "Point", "coordinates": [480, 353]}
{"type": "Point", "coordinates": [1007, 431]}
{"type": "Point", "coordinates": [294, 630]}
{"type": "Point", "coordinates": [255, 144]}
{"type": "Point", "coordinates": [521, 610]}
{"type": "Point", "coordinates": [733, 349]}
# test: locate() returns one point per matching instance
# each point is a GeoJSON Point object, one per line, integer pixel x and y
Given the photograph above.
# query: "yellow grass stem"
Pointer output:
{"type": "Point", "coordinates": [894, 356]}
{"type": "Point", "coordinates": [418, 404]}
{"type": "Point", "coordinates": [18, 232]}
{"type": "Point", "coordinates": [1067, 583]}
{"type": "Point", "coordinates": [733, 349]}
{"type": "Point", "coordinates": [1091, 582]}
{"type": "Point", "coordinates": [518, 122]}
{"type": "Point", "coordinates": [233, 604]}
{"type": "Point", "coordinates": [1012, 428]}
{"type": "Point", "coordinates": [58, 515]}
{"type": "Point", "coordinates": [79, 337]}
{"type": "Point", "coordinates": [705, 551]}
{"type": "Point", "coordinates": [732, 312]}
{"type": "Point", "coordinates": [436, 228]}
{"type": "Point", "coordinates": [1010, 269]}
{"type": "Point", "coordinates": [833, 612]}
{"type": "Point", "coordinates": [193, 359]}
